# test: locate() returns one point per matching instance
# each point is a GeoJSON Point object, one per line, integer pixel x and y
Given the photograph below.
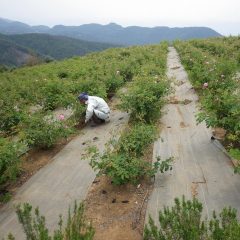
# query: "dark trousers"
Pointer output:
{"type": "Point", "coordinates": [96, 119]}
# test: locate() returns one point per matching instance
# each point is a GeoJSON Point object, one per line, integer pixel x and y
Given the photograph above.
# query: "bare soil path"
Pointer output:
{"type": "Point", "coordinates": [200, 169]}
{"type": "Point", "coordinates": [66, 179]}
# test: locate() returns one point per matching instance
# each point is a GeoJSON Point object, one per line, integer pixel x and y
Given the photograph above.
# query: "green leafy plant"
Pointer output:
{"type": "Point", "coordinates": [5, 197]}
{"type": "Point", "coordinates": [77, 227]}
{"type": "Point", "coordinates": [235, 153]}
{"type": "Point", "coordinates": [184, 221]}
{"type": "Point", "coordinates": [122, 168]}
{"type": "Point", "coordinates": [62, 74]}
{"type": "Point", "coordinates": [44, 133]}
{"type": "Point", "coordinates": [11, 114]}
{"type": "Point", "coordinates": [144, 99]}
{"type": "Point", "coordinates": [113, 83]}
{"type": "Point", "coordinates": [55, 94]}
{"type": "Point", "coordinates": [9, 160]}
{"type": "Point", "coordinates": [135, 140]}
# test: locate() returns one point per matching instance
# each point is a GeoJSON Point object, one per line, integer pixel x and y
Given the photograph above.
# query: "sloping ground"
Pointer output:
{"type": "Point", "coordinates": [200, 169]}
{"type": "Point", "coordinates": [64, 180]}
{"type": "Point", "coordinates": [12, 54]}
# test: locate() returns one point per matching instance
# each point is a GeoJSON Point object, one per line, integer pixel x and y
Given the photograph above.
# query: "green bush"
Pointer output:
{"type": "Point", "coordinates": [44, 132]}
{"type": "Point", "coordinates": [35, 228]}
{"type": "Point", "coordinates": [135, 140]}
{"type": "Point", "coordinates": [113, 83]}
{"type": "Point", "coordinates": [9, 160]}
{"type": "Point", "coordinates": [56, 94]}
{"type": "Point", "coordinates": [92, 87]}
{"type": "Point", "coordinates": [11, 113]}
{"type": "Point", "coordinates": [144, 99]}
{"type": "Point", "coordinates": [123, 169]}
{"type": "Point", "coordinates": [127, 72]}
{"type": "Point", "coordinates": [184, 221]}
{"type": "Point", "coordinates": [78, 112]}
{"type": "Point", "coordinates": [62, 74]}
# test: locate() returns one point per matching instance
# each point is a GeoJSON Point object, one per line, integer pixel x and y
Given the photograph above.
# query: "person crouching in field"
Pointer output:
{"type": "Point", "coordinates": [97, 109]}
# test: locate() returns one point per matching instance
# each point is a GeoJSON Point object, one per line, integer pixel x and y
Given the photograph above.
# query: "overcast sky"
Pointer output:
{"type": "Point", "coordinates": [221, 15]}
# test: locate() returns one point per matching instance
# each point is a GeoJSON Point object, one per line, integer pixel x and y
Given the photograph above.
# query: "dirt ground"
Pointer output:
{"type": "Point", "coordinates": [118, 211]}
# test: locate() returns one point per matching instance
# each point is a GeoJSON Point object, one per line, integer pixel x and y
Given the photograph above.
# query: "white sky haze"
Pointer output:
{"type": "Point", "coordinates": [221, 15]}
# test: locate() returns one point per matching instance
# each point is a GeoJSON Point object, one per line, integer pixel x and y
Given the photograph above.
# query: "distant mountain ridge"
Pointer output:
{"type": "Point", "coordinates": [111, 33]}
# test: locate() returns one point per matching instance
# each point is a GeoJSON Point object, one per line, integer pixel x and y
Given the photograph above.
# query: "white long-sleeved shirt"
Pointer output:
{"type": "Point", "coordinates": [96, 103]}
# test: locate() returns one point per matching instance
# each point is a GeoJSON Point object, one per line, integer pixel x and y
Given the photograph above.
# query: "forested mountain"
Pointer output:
{"type": "Point", "coordinates": [133, 35]}
{"type": "Point", "coordinates": [112, 33]}
{"type": "Point", "coordinates": [22, 49]}
{"type": "Point", "coordinates": [12, 54]}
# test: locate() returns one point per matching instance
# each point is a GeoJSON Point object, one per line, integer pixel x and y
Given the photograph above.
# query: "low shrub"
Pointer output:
{"type": "Point", "coordinates": [92, 87]}
{"type": "Point", "coordinates": [44, 132]}
{"type": "Point", "coordinates": [123, 169]}
{"type": "Point", "coordinates": [79, 112]}
{"type": "Point", "coordinates": [62, 75]}
{"type": "Point", "coordinates": [127, 73]}
{"type": "Point", "coordinates": [113, 83]}
{"type": "Point", "coordinates": [9, 160]}
{"type": "Point", "coordinates": [55, 94]}
{"type": "Point", "coordinates": [35, 228]}
{"type": "Point", "coordinates": [184, 221]}
{"type": "Point", "coordinates": [144, 99]}
{"type": "Point", "coordinates": [11, 114]}
{"type": "Point", "coordinates": [135, 140]}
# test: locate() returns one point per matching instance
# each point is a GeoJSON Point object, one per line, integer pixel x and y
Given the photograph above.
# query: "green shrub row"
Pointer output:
{"type": "Point", "coordinates": [225, 47]}
{"type": "Point", "coordinates": [123, 162]}
{"type": "Point", "coordinates": [220, 99]}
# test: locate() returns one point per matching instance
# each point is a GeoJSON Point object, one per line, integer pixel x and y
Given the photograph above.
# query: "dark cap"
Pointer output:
{"type": "Point", "coordinates": [83, 96]}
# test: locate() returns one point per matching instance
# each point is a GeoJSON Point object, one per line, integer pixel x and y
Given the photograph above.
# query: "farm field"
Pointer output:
{"type": "Point", "coordinates": [157, 114]}
{"type": "Point", "coordinates": [34, 98]}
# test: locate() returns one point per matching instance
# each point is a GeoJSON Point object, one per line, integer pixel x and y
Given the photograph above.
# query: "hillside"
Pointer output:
{"type": "Point", "coordinates": [58, 47]}
{"type": "Point", "coordinates": [15, 47]}
{"type": "Point", "coordinates": [112, 33]}
{"type": "Point", "coordinates": [12, 54]}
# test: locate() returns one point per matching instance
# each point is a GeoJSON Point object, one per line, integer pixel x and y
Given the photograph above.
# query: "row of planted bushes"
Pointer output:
{"type": "Point", "coordinates": [214, 76]}
{"type": "Point", "coordinates": [226, 47]}
{"type": "Point", "coordinates": [183, 220]}
{"type": "Point", "coordinates": [55, 85]}
{"type": "Point", "coordinates": [123, 162]}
